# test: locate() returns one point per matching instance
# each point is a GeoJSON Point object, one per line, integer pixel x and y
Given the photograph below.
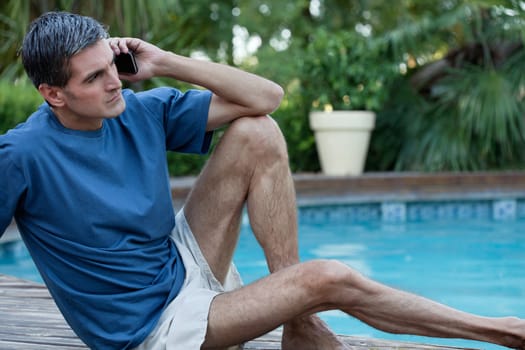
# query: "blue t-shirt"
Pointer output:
{"type": "Point", "coordinates": [94, 209]}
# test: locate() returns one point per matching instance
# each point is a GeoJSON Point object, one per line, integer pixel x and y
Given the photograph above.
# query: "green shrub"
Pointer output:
{"type": "Point", "coordinates": [346, 71]}
{"type": "Point", "coordinates": [17, 101]}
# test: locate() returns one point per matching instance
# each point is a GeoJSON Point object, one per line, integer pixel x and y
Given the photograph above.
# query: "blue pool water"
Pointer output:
{"type": "Point", "coordinates": [476, 264]}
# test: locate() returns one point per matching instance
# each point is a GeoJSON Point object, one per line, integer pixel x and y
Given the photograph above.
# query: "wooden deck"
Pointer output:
{"type": "Point", "coordinates": [29, 320]}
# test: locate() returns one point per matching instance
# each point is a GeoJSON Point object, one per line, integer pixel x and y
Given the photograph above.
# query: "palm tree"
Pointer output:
{"type": "Point", "coordinates": [461, 105]}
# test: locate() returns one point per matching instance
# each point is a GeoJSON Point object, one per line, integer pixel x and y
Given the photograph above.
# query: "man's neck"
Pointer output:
{"type": "Point", "coordinates": [74, 122]}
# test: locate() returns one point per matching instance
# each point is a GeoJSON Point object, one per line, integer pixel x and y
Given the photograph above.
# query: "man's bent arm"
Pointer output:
{"type": "Point", "coordinates": [236, 93]}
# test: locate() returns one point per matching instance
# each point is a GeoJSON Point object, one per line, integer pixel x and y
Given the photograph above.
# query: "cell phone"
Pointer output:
{"type": "Point", "coordinates": [126, 63]}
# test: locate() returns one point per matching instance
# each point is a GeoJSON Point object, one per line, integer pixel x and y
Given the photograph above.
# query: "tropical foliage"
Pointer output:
{"type": "Point", "coordinates": [463, 110]}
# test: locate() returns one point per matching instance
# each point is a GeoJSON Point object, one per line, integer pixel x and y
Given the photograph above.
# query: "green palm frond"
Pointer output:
{"type": "Point", "coordinates": [473, 120]}
{"type": "Point", "coordinates": [14, 19]}
{"type": "Point", "coordinates": [514, 69]}
{"type": "Point", "coordinates": [428, 28]}
{"type": "Point", "coordinates": [482, 21]}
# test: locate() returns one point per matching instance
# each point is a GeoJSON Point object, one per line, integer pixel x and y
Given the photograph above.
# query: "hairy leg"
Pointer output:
{"type": "Point", "coordinates": [272, 211]}
{"type": "Point", "coordinates": [292, 292]}
{"type": "Point", "coordinates": [396, 311]}
{"type": "Point", "coordinates": [250, 165]}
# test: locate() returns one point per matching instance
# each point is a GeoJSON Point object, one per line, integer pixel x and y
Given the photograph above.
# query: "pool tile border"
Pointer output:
{"type": "Point", "coordinates": [402, 197]}
{"type": "Point", "coordinates": [398, 212]}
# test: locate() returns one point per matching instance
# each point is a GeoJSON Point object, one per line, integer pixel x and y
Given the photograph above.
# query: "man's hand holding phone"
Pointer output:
{"type": "Point", "coordinates": [144, 61]}
{"type": "Point", "coordinates": [126, 63]}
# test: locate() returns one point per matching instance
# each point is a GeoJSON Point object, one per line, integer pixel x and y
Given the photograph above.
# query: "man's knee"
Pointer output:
{"type": "Point", "coordinates": [260, 136]}
{"type": "Point", "coordinates": [327, 279]}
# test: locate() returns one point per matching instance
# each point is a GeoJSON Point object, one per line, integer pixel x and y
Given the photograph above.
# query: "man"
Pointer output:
{"type": "Point", "coordinates": [86, 181]}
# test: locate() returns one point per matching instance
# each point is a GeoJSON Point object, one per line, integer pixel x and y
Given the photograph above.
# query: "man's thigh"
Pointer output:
{"type": "Point", "coordinates": [258, 308]}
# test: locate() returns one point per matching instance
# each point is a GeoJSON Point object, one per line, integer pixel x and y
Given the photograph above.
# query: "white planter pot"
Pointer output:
{"type": "Point", "coordinates": [342, 139]}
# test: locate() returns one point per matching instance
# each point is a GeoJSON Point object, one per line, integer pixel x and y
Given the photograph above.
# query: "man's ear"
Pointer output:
{"type": "Point", "coordinates": [52, 94]}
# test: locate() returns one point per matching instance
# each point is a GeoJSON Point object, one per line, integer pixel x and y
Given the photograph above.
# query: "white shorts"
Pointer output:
{"type": "Point", "coordinates": [184, 322]}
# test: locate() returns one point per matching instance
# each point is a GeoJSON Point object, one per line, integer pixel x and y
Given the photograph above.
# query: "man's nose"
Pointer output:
{"type": "Point", "coordinates": [113, 80]}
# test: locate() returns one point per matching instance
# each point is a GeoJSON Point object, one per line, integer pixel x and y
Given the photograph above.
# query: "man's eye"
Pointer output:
{"type": "Point", "coordinates": [93, 77]}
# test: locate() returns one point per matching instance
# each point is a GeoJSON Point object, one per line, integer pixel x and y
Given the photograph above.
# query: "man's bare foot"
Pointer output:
{"type": "Point", "coordinates": [310, 333]}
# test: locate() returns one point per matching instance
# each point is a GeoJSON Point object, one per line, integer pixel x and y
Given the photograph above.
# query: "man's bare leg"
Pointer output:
{"type": "Point", "coordinates": [250, 165]}
{"type": "Point", "coordinates": [272, 210]}
{"type": "Point", "coordinates": [314, 286]}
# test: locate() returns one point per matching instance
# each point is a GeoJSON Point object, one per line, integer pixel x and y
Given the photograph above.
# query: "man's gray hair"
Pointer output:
{"type": "Point", "coordinates": [52, 40]}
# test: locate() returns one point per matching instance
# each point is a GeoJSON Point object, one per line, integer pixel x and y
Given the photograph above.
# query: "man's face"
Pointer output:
{"type": "Point", "coordinates": [93, 92]}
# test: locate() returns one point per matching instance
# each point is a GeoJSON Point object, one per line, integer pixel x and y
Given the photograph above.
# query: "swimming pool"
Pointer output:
{"type": "Point", "coordinates": [469, 255]}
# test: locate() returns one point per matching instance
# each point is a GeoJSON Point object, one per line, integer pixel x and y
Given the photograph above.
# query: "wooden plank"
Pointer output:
{"type": "Point", "coordinates": [7, 345]}
{"type": "Point", "coordinates": [30, 320]}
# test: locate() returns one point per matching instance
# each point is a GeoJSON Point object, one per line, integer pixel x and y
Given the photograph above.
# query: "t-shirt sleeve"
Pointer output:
{"type": "Point", "coordinates": [184, 117]}
{"type": "Point", "coordinates": [12, 186]}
